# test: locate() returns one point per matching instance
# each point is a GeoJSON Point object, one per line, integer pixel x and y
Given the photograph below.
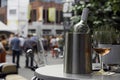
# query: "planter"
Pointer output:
{"type": "Point", "coordinates": [114, 56]}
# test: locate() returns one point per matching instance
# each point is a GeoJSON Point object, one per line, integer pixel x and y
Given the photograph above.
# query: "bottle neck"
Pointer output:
{"type": "Point", "coordinates": [84, 14]}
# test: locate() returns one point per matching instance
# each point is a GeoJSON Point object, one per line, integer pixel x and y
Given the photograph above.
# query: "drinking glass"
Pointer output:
{"type": "Point", "coordinates": [101, 52]}
{"type": "Point", "coordinates": [101, 49]}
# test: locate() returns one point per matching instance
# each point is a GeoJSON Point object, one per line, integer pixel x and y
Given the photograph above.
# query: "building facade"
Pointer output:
{"type": "Point", "coordinates": [47, 26]}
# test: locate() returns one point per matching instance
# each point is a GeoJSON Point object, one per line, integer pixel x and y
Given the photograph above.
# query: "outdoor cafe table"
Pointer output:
{"type": "Point", "coordinates": [55, 72]}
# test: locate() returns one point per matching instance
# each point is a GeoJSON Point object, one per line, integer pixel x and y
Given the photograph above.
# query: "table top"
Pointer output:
{"type": "Point", "coordinates": [55, 72]}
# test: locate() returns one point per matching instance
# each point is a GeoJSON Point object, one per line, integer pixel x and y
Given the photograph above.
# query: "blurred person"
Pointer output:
{"type": "Point", "coordinates": [49, 44]}
{"type": "Point", "coordinates": [53, 43]}
{"type": "Point", "coordinates": [4, 43]}
{"type": "Point", "coordinates": [60, 42]}
{"type": "Point", "coordinates": [22, 40]}
{"type": "Point", "coordinates": [29, 46]}
{"type": "Point", "coordinates": [15, 46]}
{"type": "Point", "coordinates": [2, 60]}
{"type": "Point", "coordinates": [9, 42]}
{"type": "Point", "coordinates": [45, 44]}
{"type": "Point", "coordinates": [10, 38]}
{"type": "Point", "coordinates": [35, 39]}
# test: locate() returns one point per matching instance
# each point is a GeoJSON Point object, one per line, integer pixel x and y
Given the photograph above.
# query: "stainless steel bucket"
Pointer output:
{"type": "Point", "coordinates": [77, 55]}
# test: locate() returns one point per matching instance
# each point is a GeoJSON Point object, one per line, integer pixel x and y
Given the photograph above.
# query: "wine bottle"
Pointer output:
{"type": "Point", "coordinates": [82, 26]}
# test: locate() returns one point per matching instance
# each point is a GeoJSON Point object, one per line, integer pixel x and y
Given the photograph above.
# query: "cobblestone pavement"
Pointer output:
{"type": "Point", "coordinates": [28, 73]}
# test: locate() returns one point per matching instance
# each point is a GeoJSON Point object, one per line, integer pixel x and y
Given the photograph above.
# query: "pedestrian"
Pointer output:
{"type": "Point", "coordinates": [4, 43]}
{"type": "Point", "coordinates": [53, 43]}
{"type": "Point", "coordinates": [60, 42]}
{"type": "Point", "coordinates": [35, 39]}
{"type": "Point", "coordinates": [15, 46]}
{"type": "Point", "coordinates": [10, 38]}
{"type": "Point", "coordinates": [45, 44]}
{"type": "Point", "coordinates": [9, 43]}
{"type": "Point", "coordinates": [22, 40]}
{"type": "Point", "coordinates": [1, 52]}
{"type": "Point", "coordinates": [28, 46]}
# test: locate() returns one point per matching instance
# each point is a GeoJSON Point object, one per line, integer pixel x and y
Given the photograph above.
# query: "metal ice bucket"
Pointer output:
{"type": "Point", "coordinates": [77, 55]}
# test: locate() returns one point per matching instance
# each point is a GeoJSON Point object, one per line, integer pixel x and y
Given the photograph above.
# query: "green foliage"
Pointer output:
{"type": "Point", "coordinates": [106, 35]}
{"type": "Point", "coordinates": [104, 17]}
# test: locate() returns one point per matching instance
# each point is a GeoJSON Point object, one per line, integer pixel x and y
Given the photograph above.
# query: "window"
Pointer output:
{"type": "Point", "coordinates": [44, 17]}
{"type": "Point", "coordinates": [46, 32]}
{"type": "Point", "coordinates": [33, 15]}
{"type": "Point", "coordinates": [32, 0]}
{"type": "Point", "coordinates": [61, 16]}
{"type": "Point", "coordinates": [31, 31]}
{"type": "Point", "coordinates": [3, 3]}
{"type": "Point", "coordinates": [12, 12]}
{"type": "Point", "coordinates": [59, 31]}
{"type": "Point", "coordinates": [57, 16]}
{"type": "Point", "coordinates": [47, 17]}
{"type": "Point", "coordinates": [0, 3]}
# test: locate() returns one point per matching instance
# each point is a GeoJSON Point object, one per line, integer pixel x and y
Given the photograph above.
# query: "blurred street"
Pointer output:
{"type": "Point", "coordinates": [28, 73]}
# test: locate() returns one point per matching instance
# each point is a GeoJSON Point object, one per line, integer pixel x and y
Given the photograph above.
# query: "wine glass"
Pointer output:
{"type": "Point", "coordinates": [101, 51]}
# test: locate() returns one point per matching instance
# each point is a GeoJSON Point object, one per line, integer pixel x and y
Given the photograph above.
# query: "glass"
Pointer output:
{"type": "Point", "coordinates": [102, 52]}
{"type": "Point", "coordinates": [100, 46]}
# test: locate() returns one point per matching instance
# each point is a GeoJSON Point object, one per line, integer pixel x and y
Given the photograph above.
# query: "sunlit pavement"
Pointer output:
{"type": "Point", "coordinates": [28, 73]}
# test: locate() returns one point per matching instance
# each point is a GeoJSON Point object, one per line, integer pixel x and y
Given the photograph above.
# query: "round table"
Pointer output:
{"type": "Point", "coordinates": [55, 72]}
